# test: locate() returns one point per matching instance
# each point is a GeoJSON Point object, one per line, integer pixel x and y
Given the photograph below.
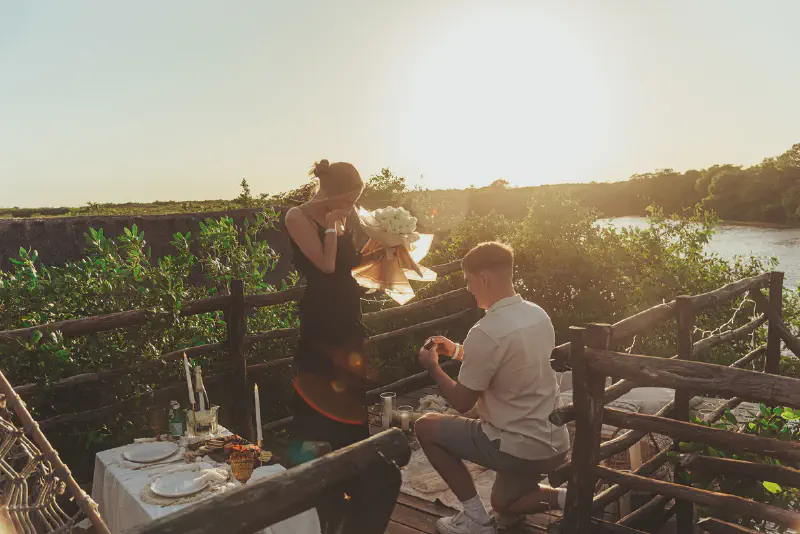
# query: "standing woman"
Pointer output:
{"type": "Point", "coordinates": [330, 387]}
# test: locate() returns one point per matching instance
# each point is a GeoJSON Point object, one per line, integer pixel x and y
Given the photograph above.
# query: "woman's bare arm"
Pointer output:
{"type": "Point", "coordinates": [304, 232]}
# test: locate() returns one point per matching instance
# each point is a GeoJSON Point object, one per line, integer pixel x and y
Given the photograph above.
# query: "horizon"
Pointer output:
{"type": "Point", "coordinates": [120, 103]}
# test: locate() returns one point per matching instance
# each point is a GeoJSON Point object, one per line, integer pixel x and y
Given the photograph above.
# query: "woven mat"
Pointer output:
{"type": "Point", "coordinates": [421, 480]}
{"type": "Point", "coordinates": [214, 488]}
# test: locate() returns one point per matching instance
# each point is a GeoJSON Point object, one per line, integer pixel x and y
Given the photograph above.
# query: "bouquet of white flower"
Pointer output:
{"type": "Point", "coordinates": [392, 253]}
{"type": "Point", "coordinates": [396, 220]}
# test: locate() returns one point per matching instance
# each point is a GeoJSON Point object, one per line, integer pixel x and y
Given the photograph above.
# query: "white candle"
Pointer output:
{"type": "Point", "coordinates": [405, 415]}
{"type": "Point", "coordinates": [188, 380]}
{"type": "Point", "coordinates": [198, 382]}
{"type": "Point", "coordinates": [258, 416]}
{"type": "Point", "coordinates": [388, 408]}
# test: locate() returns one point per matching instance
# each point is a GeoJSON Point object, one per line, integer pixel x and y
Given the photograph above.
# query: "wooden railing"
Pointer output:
{"type": "Point", "coordinates": [235, 307]}
{"type": "Point", "coordinates": [591, 362]}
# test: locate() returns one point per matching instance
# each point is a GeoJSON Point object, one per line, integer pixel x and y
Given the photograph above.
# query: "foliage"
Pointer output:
{"type": "Point", "coordinates": [578, 270]}
{"type": "Point", "coordinates": [776, 423]}
{"type": "Point", "coordinates": [245, 198]}
{"type": "Point", "coordinates": [383, 189]}
{"type": "Point", "coordinates": [581, 272]}
{"type": "Point", "coordinates": [120, 274]}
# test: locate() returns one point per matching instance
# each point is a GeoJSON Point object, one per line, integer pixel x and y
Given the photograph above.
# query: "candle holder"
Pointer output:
{"type": "Point", "coordinates": [242, 464]}
{"type": "Point", "coordinates": [388, 407]}
{"type": "Point", "coordinates": [404, 413]}
{"type": "Point", "coordinates": [202, 423]}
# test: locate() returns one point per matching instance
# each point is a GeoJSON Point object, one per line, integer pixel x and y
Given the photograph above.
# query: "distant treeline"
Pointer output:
{"type": "Point", "coordinates": [768, 192]}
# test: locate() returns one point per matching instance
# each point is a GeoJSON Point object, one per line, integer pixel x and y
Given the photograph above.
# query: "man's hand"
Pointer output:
{"type": "Point", "coordinates": [446, 347]}
{"type": "Point", "coordinates": [428, 358]}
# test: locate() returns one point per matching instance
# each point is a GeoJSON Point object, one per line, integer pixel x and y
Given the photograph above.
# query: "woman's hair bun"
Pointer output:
{"type": "Point", "coordinates": [320, 168]}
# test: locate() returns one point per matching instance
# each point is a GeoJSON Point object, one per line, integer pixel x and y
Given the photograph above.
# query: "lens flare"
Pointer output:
{"type": "Point", "coordinates": [355, 360]}
{"type": "Point", "coordinates": [331, 398]}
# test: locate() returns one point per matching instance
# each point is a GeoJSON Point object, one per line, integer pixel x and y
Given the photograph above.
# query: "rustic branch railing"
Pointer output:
{"type": "Point", "coordinates": [234, 308]}
{"type": "Point", "coordinates": [565, 414]}
{"type": "Point", "coordinates": [591, 362]}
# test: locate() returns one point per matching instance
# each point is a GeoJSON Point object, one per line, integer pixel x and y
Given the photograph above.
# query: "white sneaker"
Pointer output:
{"type": "Point", "coordinates": [461, 523]}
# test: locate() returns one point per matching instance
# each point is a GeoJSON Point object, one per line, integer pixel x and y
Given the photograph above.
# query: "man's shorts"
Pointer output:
{"type": "Point", "coordinates": [466, 439]}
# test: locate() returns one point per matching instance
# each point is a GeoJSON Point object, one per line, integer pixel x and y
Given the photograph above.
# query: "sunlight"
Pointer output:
{"type": "Point", "coordinates": [520, 99]}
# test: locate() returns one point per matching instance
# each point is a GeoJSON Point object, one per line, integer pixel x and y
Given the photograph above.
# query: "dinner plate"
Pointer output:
{"type": "Point", "coordinates": [179, 484]}
{"type": "Point", "coordinates": [145, 453]}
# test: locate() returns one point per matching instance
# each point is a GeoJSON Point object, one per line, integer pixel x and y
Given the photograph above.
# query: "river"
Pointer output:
{"type": "Point", "coordinates": [732, 240]}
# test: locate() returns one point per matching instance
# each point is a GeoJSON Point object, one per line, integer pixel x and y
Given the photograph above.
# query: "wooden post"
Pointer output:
{"type": "Point", "coordinates": [588, 398]}
{"type": "Point", "coordinates": [237, 329]}
{"type": "Point", "coordinates": [684, 515]}
{"type": "Point", "coordinates": [773, 333]}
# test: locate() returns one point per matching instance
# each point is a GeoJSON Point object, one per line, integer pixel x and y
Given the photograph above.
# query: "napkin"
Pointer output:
{"type": "Point", "coordinates": [215, 477]}
{"type": "Point", "coordinates": [198, 466]}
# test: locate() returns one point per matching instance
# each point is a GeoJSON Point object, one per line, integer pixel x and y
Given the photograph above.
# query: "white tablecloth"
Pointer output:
{"type": "Point", "coordinates": [116, 489]}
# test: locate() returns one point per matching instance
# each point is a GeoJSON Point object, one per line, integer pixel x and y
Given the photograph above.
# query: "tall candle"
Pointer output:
{"type": "Point", "coordinates": [258, 416]}
{"type": "Point", "coordinates": [198, 382]}
{"type": "Point", "coordinates": [388, 407]}
{"type": "Point", "coordinates": [188, 380]}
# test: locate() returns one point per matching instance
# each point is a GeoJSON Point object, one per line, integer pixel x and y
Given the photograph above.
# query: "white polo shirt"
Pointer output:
{"type": "Point", "coordinates": [507, 359]}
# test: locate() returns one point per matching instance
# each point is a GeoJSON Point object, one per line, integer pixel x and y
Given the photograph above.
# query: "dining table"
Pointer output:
{"type": "Point", "coordinates": [119, 490]}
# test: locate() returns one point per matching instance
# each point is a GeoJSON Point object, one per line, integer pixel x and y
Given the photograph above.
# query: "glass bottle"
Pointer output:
{"type": "Point", "coordinates": [176, 420]}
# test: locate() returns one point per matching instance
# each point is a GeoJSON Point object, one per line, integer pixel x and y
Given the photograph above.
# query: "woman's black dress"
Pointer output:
{"type": "Point", "coordinates": [330, 364]}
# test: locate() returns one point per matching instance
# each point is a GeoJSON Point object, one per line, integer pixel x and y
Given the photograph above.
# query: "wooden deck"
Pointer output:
{"type": "Point", "coordinates": [414, 516]}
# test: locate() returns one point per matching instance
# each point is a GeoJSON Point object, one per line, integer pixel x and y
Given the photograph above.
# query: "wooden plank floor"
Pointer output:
{"type": "Point", "coordinates": [414, 516]}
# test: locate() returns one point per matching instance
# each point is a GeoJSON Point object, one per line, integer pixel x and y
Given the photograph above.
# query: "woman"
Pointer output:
{"type": "Point", "coordinates": [330, 391]}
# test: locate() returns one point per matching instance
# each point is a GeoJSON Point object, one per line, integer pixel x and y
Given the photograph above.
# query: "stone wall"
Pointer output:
{"type": "Point", "coordinates": [61, 239]}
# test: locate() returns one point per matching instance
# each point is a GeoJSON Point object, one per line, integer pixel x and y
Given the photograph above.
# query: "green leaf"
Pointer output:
{"type": "Point", "coordinates": [764, 410]}
{"type": "Point", "coordinates": [772, 487]}
{"type": "Point", "coordinates": [37, 335]}
{"type": "Point", "coordinates": [790, 415]}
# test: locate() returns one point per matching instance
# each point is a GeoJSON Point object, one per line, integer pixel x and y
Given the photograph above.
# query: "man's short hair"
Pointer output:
{"type": "Point", "coordinates": [491, 256]}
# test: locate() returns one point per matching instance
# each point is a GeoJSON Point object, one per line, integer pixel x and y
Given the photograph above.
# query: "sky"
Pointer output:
{"type": "Point", "coordinates": [150, 100]}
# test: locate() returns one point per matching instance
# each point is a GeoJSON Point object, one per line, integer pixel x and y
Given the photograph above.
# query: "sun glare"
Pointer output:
{"type": "Point", "coordinates": [512, 98]}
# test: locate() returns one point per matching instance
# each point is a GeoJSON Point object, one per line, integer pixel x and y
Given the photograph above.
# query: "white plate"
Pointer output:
{"type": "Point", "coordinates": [179, 484]}
{"type": "Point", "coordinates": [145, 453]}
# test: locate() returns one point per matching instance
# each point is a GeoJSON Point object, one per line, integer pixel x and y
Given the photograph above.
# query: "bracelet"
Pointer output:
{"type": "Point", "coordinates": [459, 354]}
{"type": "Point", "coordinates": [331, 231]}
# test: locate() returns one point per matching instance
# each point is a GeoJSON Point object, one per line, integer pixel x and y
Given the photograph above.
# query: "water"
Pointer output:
{"type": "Point", "coordinates": [732, 240]}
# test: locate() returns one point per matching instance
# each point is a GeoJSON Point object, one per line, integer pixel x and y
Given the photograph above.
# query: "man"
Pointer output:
{"type": "Point", "coordinates": [506, 375]}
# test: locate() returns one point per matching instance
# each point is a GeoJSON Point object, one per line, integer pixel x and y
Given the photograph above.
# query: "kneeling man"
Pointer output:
{"type": "Point", "coordinates": [506, 375]}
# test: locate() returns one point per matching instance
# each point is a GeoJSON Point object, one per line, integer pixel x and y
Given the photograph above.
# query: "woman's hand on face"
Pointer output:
{"type": "Point", "coordinates": [332, 217]}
